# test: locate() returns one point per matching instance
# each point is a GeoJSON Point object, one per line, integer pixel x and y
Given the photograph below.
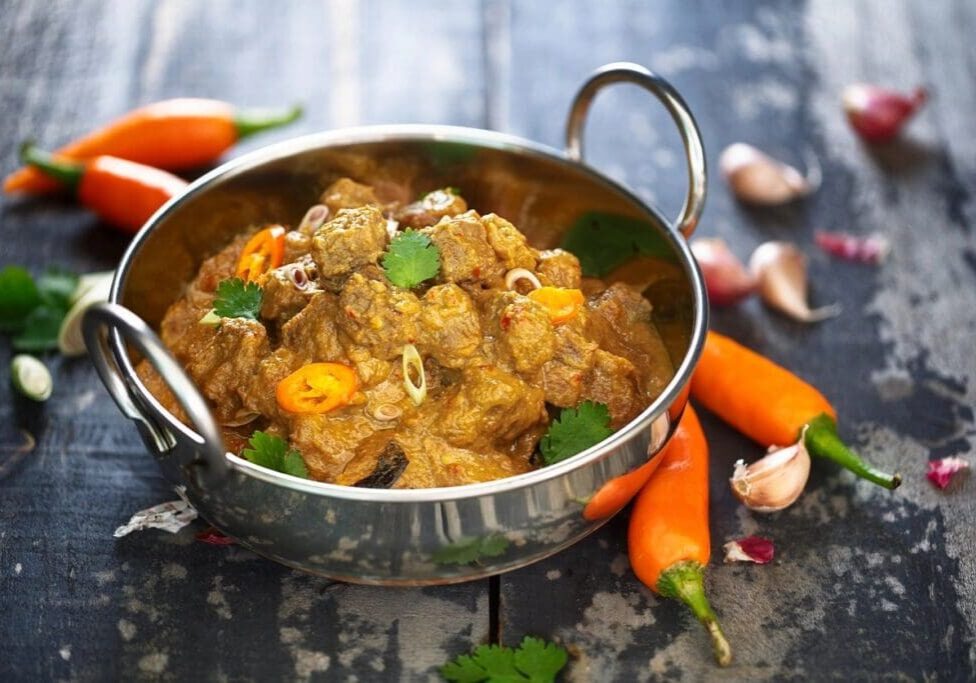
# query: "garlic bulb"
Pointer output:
{"type": "Point", "coordinates": [757, 178]}
{"type": "Point", "coordinates": [775, 481]}
{"type": "Point", "coordinates": [781, 269]}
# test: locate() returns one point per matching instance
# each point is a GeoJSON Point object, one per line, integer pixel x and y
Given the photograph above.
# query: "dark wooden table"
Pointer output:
{"type": "Point", "coordinates": [866, 584]}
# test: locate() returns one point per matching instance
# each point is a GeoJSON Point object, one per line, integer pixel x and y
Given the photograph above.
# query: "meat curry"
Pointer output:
{"type": "Point", "coordinates": [378, 380]}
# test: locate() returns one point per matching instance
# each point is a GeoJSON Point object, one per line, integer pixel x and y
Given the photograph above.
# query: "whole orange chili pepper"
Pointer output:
{"type": "Point", "coordinates": [123, 193]}
{"type": "Point", "coordinates": [172, 134]}
{"type": "Point", "coordinates": [317, 388]}
{"type": "Point", "coordinates": [263, 252]}
{"type": "Point", "coordinates": [617, 492]}
{"type": "Point", "coordinates": [771, 405]}
{"type": "Point", "coordinates": [668, 540]}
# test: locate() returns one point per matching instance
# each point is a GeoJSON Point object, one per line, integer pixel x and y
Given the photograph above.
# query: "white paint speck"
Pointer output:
{"type": "Point", "coordinates": [619, 565]}
{"type": "Point", "coordinates": [154, 663]}
{"type": "Point", "coordinates": [172, 570]}
{"type": "Point", "coordinates": [18, 568]}
{"type": "Point", "coordinates": [217, 599]}
{"type": "Point", "coordinates": [126, 629]}
{"type": "Point", "coordinates": [553, 574]}
{"type": "Point", "coordinates": [308, 662]}
{"type": "Point", "coordinates": [288, 635]}
{"type": "Point", "coordinates": [65, 652]}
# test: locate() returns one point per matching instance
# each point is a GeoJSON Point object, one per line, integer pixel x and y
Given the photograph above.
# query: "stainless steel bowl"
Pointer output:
{"type": "Point", "coordinates": [409, 537]}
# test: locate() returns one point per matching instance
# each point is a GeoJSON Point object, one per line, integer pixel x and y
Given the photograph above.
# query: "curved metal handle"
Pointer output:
{"type": "Point", "coordinates": [626, 72]}
{"type": "Point", "coordinates": [209, 469]}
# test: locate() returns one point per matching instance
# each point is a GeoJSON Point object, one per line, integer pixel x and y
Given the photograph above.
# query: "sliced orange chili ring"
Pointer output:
{"type": "Point", "coordinates": [263, 252]}
{"type": "Point", "coordinates": [562, 303]}
{"type": "Point", "coordinates": [317, 388]}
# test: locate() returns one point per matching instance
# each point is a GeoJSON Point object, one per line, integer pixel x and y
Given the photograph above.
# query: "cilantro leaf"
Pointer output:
{"type": "Point", "coordinates": [272, 452]}
{"type": "Point", "coordinates": [534, 661]}
{"type": "Point", "coordinates": [237, 299]}
{"type": "Point", "coordinates": [469, 550]}
{"type": "Point", "coordinates": [18, 297]}
{"type": "Point", "coordinates": [40, 329]}
{"type": "Point", "coordinates": [56, 286]}
{"type": "Point", "coordinates": [411, 258]}
{"type": "Point", "coordinates": [603, 241]}
{"type": "Point", "coordinates": [576, 430]}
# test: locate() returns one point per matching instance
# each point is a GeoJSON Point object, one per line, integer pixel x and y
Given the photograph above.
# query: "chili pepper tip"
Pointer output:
{"type": "Point", "coordinates": [249, 122]}
{"type": "Point", "coordinates": [822, 440]}
{"type": "Point", "coordinates": [62, 170]}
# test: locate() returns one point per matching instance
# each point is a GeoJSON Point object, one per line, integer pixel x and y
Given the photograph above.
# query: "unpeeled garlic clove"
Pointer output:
{"type": "Point", "coordinates": [726, 278]}
{"type": "Point", "coordinates": [781, 270]}
{"type": "Point", "coordinates": [878, 114]}
{"type": "Point", "coordinates": [775, 481]}
{"type": "Point", "coordinates": [757, 178]}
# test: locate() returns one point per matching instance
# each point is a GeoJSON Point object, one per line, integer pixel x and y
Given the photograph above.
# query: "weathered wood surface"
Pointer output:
{"type": "Point", "coordinates": [866, 584]}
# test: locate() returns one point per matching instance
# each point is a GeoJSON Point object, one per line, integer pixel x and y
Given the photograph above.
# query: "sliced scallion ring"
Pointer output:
{"type": "Point", "coordinates": [412, 360]}
{"type": "Point", "coordinates": [516, 274]}
{"type": "Point", "coordinates": [96, 289]}
{"type": "Point", "coordinates": [31, 377]}
{"type": "Point", "coordinates": [211, 319]}
{"type": "Point", "coordinates": [89, 281]}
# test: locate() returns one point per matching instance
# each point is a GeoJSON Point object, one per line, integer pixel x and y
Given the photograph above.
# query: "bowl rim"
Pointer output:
{"type": "Point", "coordinates": [418, 133]}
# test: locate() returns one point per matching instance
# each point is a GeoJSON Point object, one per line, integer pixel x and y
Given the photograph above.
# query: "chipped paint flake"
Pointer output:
{"type": "Point", "coordinates": [65, 652]}
{"type": "Point", "coordinates": [126, 629]}
{"type": "Point", "coordinates": [154, 663]}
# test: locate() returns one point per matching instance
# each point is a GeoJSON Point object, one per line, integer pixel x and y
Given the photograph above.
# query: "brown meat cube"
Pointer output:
{"type": "Point", "coordinates": [377, 316]}
{"type": "Point", "coordinates": [465, 252]}
{"type": "Point", "coordinates": [450, 329]}
{"type": "Point", "coordinates": [490, 406]}
{"type": "Point", "coordinates": [297, 245]}
{"type": "Point", "coordinates": [559, 268]}
{"type": "Point", "coordinates": [260, 396]}
{"type": "Point", "coordinates": [223, 367]}
{"type": "Point", "coordinates": [620, 321]}
{"type": "Point", "coordinates": [329, 441]}
{"type": "Point", "coordinates": [355, 237]}
{"type": "Point", "coordinates": [313, 333]}
{"type": "Point", "coordinates": [562, 377]}
{"type": "Point", "coordinates": [282, 298]}
{"type": "Point", "coordinates": [613, 381]}
{"type": "Point", "coordinates": [431, 208]}
{"type": "Point", "coordinates": [509, 244]}
{"type": "Point", "coordinates": [524, 333]}
{"type": "Point", "coordinates": [348, 194]}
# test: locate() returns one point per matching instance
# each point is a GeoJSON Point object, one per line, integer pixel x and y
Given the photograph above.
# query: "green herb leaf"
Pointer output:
{"type": "Point", "coordinates": [576, 430]}
{"type": "Point", "coordinates": [56, 287]}
{"type": "Point", "coordinates": [237, 299]}
{"type": "Point", "coordinates": [40, 329]}
{"type": "Point", "coordinates": [272, 452]}
{"type": "Point", "coordinates": [469, 550]}
{"type": "Point", "coordinates": [18, 297]}
{"type": "Point", "coordinates": [603, 241]}
{"type": "Point", "coordinates": [411, 258]}
{"type": "Point", "coordinates": [534, 660]}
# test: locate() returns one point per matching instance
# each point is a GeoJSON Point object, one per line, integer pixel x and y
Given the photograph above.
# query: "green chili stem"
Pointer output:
{"type": "Point", "coordinates": [66, 172]}
{"type": "Point", "coordinates": [822, 440]}
{"type": "Point", "coordinates": [249, 122]}
{"type": "Point", "coordinates": [685, 581]}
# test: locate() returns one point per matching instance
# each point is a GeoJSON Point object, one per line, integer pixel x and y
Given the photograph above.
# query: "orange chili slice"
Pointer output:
{"type": "Point", "coordinates": [263, 252]}
{"type": "Point", "coordinates": [317, 388]}
{"type": "Point", "coordinates": [563, 304]}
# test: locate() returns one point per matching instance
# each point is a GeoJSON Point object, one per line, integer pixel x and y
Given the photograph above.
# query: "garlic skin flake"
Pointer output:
{"type": "Point", "coordinates": [781, 269]}
{"type": "Point", "coordinates": [775, 481]}
{"type": "Point", "coordinates": [750, 549]}
{"type": "Point", "coordinates": [726, 278]}
{"type": "Point", "coordinates": [757, 178]}
{"type": "Point", "coordinates": [878, 114]}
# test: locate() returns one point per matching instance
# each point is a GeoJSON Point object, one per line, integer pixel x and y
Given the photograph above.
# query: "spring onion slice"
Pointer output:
{"type": "Point", "coordinates": [211, 319]}
{"type": "Point", "coordinates": [412, 359]}
{"type": "Point", "coordinates": [516, 274]}
{"type": "Point", "coordinates": [91, 289]}
{"type": "Point", "coordinates": [31, 377]}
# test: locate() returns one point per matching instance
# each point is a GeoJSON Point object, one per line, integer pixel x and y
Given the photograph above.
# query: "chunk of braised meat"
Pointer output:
{"type": "Point", "coordinates": [613, 381]}
{"type": "Point", "coordinates": [466, 255]}
{"type": "Point", "coordinates": [348, 194]}
{"type": "Point", "coordinates": [620, 321]}
{"type": "Point", "coordinates": [329, 441]}
{"type": "Point", "coordinates": [287, 290]}
{"type": "Point", "coordinates": [508, 243]}
{"type": "Point", "coordinates": [355, 237]}
{"type": "Point", "coordinates": [297, 245]}
{"type": "Point", "coordinates": [559, 268]}
{"type": "Point", "coordinates": [450, 329]}
{"type": "Point", "coordinates": [524, 335]}
{"type": "Point", "coordinates": [235, 351]}
{"type": "Point", "coordinates": [260, 397]}
{"type": "Point", "coordinates": [563, 376]}
{"type": "Point", "coordinates": [432, 207]}
{"type": "Point", "coordinates": [313, 333]}
{"type": "Point", "coordinates": [377, 316]}
{"type": "Point", "coordinates": [489, 406]}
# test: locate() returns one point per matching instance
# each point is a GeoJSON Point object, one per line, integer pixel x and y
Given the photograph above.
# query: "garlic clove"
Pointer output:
{"type": "Point", "coordinates": [726, 278]}
{"type": "Point", "coordinates": [781, 270]}
{"type": "Point", "coordinates": [878, 114]}
{"type": "Point", "coordinates": [775, 481]}
{"type": "Point", "coordinates": [757, 178]}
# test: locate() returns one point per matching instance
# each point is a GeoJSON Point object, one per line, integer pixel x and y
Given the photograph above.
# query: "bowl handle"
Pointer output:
{"type": "Point", "coordinates": [626, 72]}
{"type": "Point", "coordinates": [209, 468]}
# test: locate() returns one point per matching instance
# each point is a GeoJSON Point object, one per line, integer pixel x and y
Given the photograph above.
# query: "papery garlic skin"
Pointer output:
{"type": "Point", "coordinates": [775, 481]}
{"type": "Point", "coordinates": [757, 178]}
{"type": "Point", "coordinates": [878, 114]}
{"type": "Point", "coordinates": [726, 277]}
{"type": "Point", "coordinates": [781, 269]}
